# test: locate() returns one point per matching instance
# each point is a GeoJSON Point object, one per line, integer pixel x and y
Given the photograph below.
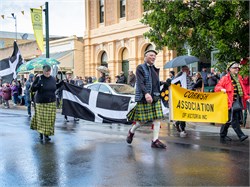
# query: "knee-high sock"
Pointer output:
{"type": "Point", "coordinates": [134, 127]}
{"type": "Point", "coordinates": [156, 131]}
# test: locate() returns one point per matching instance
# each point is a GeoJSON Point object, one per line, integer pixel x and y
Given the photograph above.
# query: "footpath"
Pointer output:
{"type": "Point", "coordinates": [201, 127]}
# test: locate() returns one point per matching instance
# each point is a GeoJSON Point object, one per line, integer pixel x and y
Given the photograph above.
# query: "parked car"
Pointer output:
{"type": "Point", "coordinates": [115, 89]}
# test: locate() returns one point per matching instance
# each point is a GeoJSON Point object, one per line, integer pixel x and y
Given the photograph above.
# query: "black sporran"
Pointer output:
{"type": "Point", "coordinates": [237, 105]}
{"type": "Point", "coordinates": [156, 97]}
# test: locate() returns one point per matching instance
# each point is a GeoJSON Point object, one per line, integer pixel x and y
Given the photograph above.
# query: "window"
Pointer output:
{"type": "Point", "coordinates": [104, 89]}
{"type": "Point", "coordinates": [94, 87]}
{"type": "Point", "coordinates": [104, 59]}
{"type": "Point", "coordinates": [101, 11]}
{"type": "Point", "coordinates": [122, 8]}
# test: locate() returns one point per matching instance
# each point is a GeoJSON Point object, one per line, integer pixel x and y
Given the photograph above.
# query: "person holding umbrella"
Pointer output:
{"type": "Point", "coordinates": [181, 125]}
{"type": "Point", "coordinates": [148, 108]}
{"type": "Point", "coordinates": [43, 120]}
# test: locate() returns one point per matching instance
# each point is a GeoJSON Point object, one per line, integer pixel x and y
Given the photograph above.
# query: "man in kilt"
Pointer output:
{"type": "Point", "coordinates": [148, 107]}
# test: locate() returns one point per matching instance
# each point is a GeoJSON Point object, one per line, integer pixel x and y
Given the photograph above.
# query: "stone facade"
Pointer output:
{"type": "Point", "coordinates": [115, 35]}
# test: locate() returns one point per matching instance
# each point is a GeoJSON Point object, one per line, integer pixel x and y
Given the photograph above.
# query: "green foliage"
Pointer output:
{"type": "Point", "coordinates": [203, 25]}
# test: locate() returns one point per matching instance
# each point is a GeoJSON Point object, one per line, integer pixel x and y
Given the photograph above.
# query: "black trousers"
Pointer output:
{"type": "Point", "coordinates": [182, 125]}
{"type": "Point", "coordinates": [235, 120]}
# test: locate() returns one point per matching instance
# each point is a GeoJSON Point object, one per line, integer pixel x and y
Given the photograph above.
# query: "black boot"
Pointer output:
{"type": "Point", "coordinates": [41, 136]}
{"type": "Point", "coordinates": [47, 138]}
{"type": "Point", "coordinates": [242, 138]}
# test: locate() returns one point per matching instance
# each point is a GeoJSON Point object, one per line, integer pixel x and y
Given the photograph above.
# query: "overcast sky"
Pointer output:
{"type": "Point", "coordinates": [66, 17]}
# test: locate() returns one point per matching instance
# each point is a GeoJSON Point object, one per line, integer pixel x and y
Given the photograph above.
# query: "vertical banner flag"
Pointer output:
{"type": "Point", "coordinates": [8, 66]}
{"type": "Point", "coordinates": [188, 105]}
{"type": "Point", "coordinates": [37, 23]}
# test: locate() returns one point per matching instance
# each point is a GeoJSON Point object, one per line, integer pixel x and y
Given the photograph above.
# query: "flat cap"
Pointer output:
{"type": "Point", "coordinates": [151, 50]}
{"type": "Point", "coordinates": [230, 64]}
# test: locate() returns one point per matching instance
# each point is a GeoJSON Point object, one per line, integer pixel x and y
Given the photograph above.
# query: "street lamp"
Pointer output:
{"type": "Point", "coordinates": [14, 17]}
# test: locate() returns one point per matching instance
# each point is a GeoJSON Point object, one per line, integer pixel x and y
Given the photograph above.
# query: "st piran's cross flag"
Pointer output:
{"type": "Point", "coordinates": [94, 106]}
{"type": "Point", "coordinates": [8, 66]}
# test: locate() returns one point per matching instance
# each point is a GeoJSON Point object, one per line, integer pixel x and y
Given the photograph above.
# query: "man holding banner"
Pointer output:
{"type": "Point", "coordinates": [147, 96]}
{"type": "Point", "coordinates": [232, 85]}
{"type": "Point", "coordinates": [181, 125]}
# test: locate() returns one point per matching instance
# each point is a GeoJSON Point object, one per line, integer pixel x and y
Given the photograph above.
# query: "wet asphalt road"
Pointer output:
{"type": "Point", "coordinates": [91, 154]}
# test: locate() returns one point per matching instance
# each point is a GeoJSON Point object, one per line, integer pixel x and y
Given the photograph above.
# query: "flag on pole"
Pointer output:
{"type": "Point", "coordinates": [37, 23]}
{"type": "Point", "coordinates": [94, 106]}
{"type": "Point", "coordinates": [8, 66]}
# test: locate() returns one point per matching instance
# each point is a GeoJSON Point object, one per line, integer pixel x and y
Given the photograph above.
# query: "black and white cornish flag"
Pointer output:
{"type": "Point", "coordinates": [8, 66]}
{"type": "Point", "coordinates": [94, 106]}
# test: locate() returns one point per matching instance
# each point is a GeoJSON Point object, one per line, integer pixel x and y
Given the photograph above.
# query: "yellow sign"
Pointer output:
{"type": "Point", "coordinates": [188, 105]}
{"type": "Point", "coordinates": [37, 23]}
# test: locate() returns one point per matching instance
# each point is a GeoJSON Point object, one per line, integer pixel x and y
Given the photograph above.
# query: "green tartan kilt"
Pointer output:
{"type": "Point", "coordinates": [44, 119]}
{"type": "Point", "coordinates": [146, 112]}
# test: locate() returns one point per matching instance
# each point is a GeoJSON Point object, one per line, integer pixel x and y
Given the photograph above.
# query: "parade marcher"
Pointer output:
{"type": "Point", "coordinates": [131, 78]}
{"type": "Point", "coordinates": [199, 84]}
{"type": "Point", "coordinates": [71, 81]}
{"type": "Point", "coordinates": [233, 86]}
{"type": "Point", "coordinates": [45, 110]}
{"type": "Point", "coordinates": [171, 77]}
{"type": "Point", "coordinates": [28, 96]}
{"type": "Point", "coordinates": [148, 107]}
{"type": "Point", "coordinates": [181, 125]}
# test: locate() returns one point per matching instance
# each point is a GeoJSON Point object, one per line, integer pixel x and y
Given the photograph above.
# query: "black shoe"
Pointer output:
{"type": "Point", "coordinates": [130, 137]}
{"type": "Point", "coordinates": [242, 138]}
{"type": "Point", "coordinates": [177, 126]}
{"type": "Point", "coordinates": [47, 138]}
{"type": "Point", "coordinates": [41, 136]}
{"type": "Point", "coordinates": [158, 144]}
{"type": "Point", "coordinates": [225, 139]}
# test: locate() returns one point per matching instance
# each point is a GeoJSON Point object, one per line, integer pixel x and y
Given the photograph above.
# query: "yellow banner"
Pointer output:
{"type": "Point", "coordinates": [37, 23]}
{"type": "Point", "coordinates": [188, 105]}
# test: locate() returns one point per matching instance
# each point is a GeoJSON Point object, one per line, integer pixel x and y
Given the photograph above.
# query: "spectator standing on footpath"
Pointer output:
{"type": "Point", "coordinates": [131, 78]}
{"type": "Point", "coordinates": [14, 92]}
{"type": "Point", "coordinates": [198, 86]}
{"type": "Point", "coordinates": [148, 107]}
{"type": "Point", "coordinates": [28, 97]}
{"type": "Point", "coordinates": [171, 77]}
{"type": "Point", "coordinates": [232, 85]}
{"type": "Point", "coordinates": [102, 77]}
{"type": "Point", "coordinates": [204, 74]}
{"type": "Point", "coordinates": [122, 78]}
{"type": "Point", "coordinates": [6, 94]}
{"type": "Point", "coordinates": [181, 125]}
{"type": "Point", "coordinates": [212, 79]}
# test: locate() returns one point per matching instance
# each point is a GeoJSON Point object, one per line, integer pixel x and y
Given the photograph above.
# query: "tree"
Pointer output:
{"type": "Point", "coordinates": [203, 25]}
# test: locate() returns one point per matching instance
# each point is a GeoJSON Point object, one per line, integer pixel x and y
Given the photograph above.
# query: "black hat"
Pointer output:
{"type": "Point", "coordinates": [46, 67]}
{"type": "Point", "coordinates": [150, 50]}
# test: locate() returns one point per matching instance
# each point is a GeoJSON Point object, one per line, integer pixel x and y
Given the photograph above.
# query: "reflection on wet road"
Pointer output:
{"type": "Point", "coordinates": [90, 154]}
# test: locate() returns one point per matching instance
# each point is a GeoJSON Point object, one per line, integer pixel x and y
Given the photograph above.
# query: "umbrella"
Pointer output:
{"type": "Point", "coordinates": [103, 69]}
{"type": "Point", "coordinates": [22, 68]}
{"type": "Point", "coordinates": [181, 61]}
{"type": "Point", "coordinates": [38, 63]}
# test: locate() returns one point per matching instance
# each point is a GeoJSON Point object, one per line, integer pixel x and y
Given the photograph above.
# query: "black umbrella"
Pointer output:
{"type": "Point", "coordinates": [181, 61]}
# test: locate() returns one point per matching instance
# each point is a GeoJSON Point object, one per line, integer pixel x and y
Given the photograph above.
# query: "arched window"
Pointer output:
{"type": "Point", "coordinates": [125, 62]}
{"type": "Point", "coordinates": [104, 59]}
